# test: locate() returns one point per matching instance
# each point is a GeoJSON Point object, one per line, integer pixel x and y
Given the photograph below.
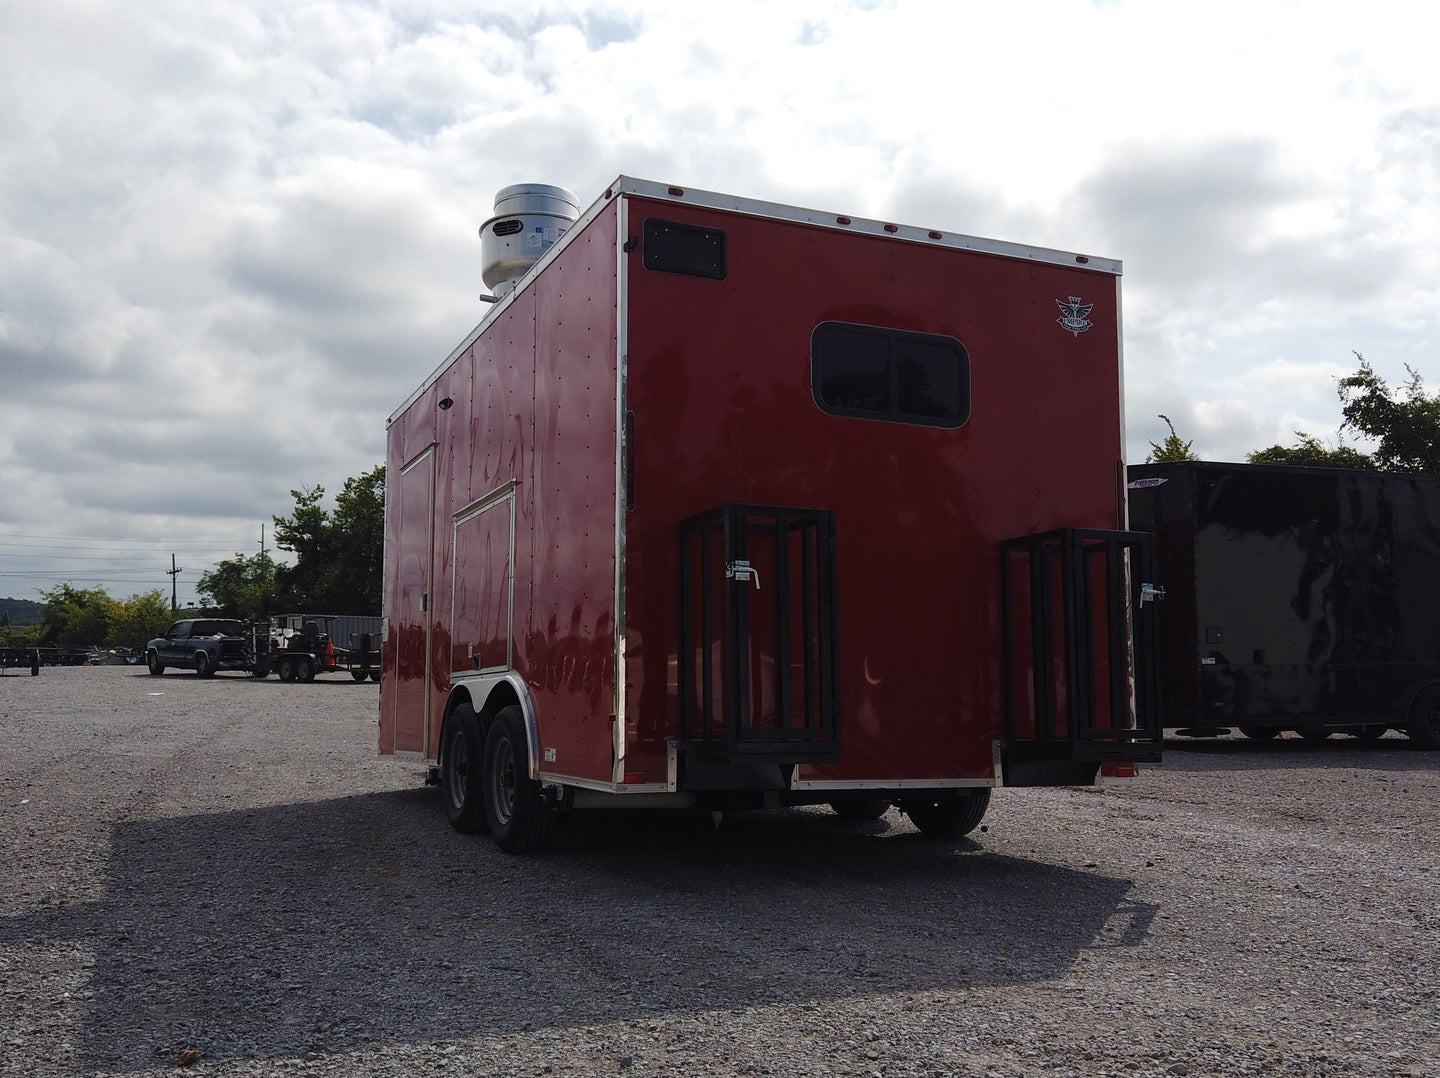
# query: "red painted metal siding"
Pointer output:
{"type": "Point", "coordinates": [532, 401]}
{"type": "Point", "coordinates": [408, 567]}
{"type": "Point", "coordinates": [719, 383]}
{"type": "Point", "coordinates": [570, 638]}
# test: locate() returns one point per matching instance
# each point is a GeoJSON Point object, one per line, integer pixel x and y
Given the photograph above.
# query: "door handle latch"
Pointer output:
{"type": "Point", "coordinates": [742, 572]}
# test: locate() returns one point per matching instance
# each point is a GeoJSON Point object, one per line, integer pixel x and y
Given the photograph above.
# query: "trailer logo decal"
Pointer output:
{"type": "Point", "coordinates": [1076, 315]}
{"type": "Point", "coordinates": [1141, 484]}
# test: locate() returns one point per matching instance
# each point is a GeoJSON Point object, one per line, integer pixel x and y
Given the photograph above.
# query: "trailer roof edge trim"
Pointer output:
{"type": "Point", "coordinates": [841, 223]}
{"type": "Point", "coordinates": [629, 185]}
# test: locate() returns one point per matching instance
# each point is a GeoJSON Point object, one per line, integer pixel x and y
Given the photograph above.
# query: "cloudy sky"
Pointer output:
{"type": "Point", "coordinates": [234, 234]}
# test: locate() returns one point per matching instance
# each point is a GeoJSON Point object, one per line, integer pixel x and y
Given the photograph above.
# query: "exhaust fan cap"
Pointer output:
{"type": "Point", "coordinates": [529, 219]}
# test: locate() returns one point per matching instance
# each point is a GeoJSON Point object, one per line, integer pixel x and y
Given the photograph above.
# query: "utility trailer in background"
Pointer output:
{"type": "Point", "coordinates": [297, 647]}
{"type": "Point", "coordinates": [730, 504]}
{"type": "Point", "coordinates": [1296, 598]}
{"type": "Point", "coordinates": [27, 657]}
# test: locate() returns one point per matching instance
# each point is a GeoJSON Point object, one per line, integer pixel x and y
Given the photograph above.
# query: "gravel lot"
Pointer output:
{"type": "Point", "coordinates": [225, 867]}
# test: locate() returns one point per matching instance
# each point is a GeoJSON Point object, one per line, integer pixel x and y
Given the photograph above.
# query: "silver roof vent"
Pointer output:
{"type": "Point", "coordinates": [529, 218]}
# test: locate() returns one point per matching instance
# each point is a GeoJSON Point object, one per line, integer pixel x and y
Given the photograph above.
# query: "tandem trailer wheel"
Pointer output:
{"type": "Point", "coordinates": [948, 817]}
{"type": "Point", "coordinates": [1423, 719]}
{"type": "Point", "coordinates": [461, 772]}
{"type": "Point", "coordinates": [516, 810]}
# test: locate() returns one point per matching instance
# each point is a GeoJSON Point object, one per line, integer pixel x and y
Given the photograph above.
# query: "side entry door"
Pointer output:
{"type": "Point", "coordinates": [482, 608]}
{"type": "Point", "coordinates": [410, 613]}
{"type": "Point", "coordinates": [173, 650]}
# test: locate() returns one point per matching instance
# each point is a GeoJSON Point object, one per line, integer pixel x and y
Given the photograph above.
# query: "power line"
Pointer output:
{"type": "Point", "coordinates": [75, 541]}
{"type": "Point", "coordinates": [78, 538]}
{"type": "Point", "coordinates": [75, 557]}
{"type": "Point", "coordinates": [88, 571]}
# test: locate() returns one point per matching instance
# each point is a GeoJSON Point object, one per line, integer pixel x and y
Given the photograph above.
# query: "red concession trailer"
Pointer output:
{"type": "Point", "coordinates": [734, 505]}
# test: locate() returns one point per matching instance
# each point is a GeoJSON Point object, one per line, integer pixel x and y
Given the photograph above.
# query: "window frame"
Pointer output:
{"type": "Point", "coordinates": [892, 413]}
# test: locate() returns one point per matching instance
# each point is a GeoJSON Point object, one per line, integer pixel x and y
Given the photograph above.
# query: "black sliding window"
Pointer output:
{"type": "Point", "coordinates": [874, 373]}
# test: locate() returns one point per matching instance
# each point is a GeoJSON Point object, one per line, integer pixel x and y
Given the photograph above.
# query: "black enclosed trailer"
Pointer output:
{"type": "Point", "coordinates": [1305, 599]}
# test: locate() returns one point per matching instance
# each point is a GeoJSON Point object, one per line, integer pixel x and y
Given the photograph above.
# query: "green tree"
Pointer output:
{"type": "Point", "coordinates": [82, 617]}
{"type": "Point", "coordinates": [241, 587]}
{"type": "Point", "coordinates": [1172, 450]}
{"type": "Point", "coordinates": [138, 619]}
{"type": "Point", "coordinates": [338, 557]}
{"type": "Point", "coordinates": [306, 534]}
{"type": "Point", "coordinates": [359, 534]}
{"type": "Point", "coordinates": [1308, 452]}
{"type": "Point", "coordinates": [75, 617]}
{"type": "Point", "coordinates": [1406, 429]}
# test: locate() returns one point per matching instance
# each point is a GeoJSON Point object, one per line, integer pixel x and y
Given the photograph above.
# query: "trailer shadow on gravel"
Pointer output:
{"type": "Point", "coordinates": [336, 925]}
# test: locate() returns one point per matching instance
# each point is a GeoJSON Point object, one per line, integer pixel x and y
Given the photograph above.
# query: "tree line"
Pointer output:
{"type": "Point", "coordinates": [1405, 427]}
{"type": "Point", "coordinates": [337, 570]}
{"type": "Point", "coordinates": [338, 558]}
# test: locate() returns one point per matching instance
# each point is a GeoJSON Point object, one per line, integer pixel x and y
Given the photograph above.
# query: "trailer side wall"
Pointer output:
{"type": "Point", "coordinates": [505, 465]}
{"type": "Point", "coordinates": [719, 381]}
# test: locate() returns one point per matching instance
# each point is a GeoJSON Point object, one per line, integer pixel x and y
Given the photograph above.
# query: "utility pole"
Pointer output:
{"type": "Point", "coordinates": [262, 541]}
{"type": "Point", "coordinates": [173, 572]}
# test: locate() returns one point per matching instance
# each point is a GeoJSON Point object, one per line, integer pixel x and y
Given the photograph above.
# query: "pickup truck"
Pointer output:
{"type": "Point", "coordinates": [200, 644]}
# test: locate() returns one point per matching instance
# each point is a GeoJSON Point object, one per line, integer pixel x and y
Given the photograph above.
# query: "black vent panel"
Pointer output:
{"type": "Point", "coordinates": [687, 249]}
{"type": "Point", "coordinates": [507, 228]}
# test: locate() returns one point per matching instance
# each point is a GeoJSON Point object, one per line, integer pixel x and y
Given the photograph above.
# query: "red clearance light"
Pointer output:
{"type": "Point", "coordinates": [842, 220]}
{"type": "Point", "coordinates": [937, 235]}
{"type": "Point", "coordinates": [892, 228]}
{"type": "Point", "coordinates": [1081, 259]}
{"type": "Point", "coordinates": [676, 191]}
{"type": "Point", "coordinates": [1113, 770]}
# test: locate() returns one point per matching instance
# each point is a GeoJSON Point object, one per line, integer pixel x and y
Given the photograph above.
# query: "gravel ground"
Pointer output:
{"type": "Point", "coordinates": [220, 877]}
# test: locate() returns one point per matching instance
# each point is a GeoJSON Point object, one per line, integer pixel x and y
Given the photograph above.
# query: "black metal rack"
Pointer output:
{"type": "Point", "coordinates": [759, 665]}
{"type": "Point", "coordinates": [1091, 608]}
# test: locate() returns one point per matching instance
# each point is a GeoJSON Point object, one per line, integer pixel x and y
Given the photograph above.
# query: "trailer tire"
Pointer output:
{"type": "Point", "coordinates": [859, 810]}
{"type": "Point", "coordinates": [1423, 723]}
{"type": "Point", "coordinates": [357, 675]}
{"type": "Point", "coordinates": [1261, 733]}
{"type": "Point", "coordinates": [374, 675]}
{"type": "Point", "coordinates": [461, 772]}
{"type": "Point", "coordinates": [203, 666]}
{"type": "Point", "coordinates": [260, 668]}
{"type": "Point", "coordinates": [515, 807]}
{"type": "Point", "coordinates": [153, 663]}
{"type": "Point", "coordinates": [948, 817]}
{"type": "Point", "coordinates": [304, 669]}
{"type": "Point", "coordinates": [285, 668]}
